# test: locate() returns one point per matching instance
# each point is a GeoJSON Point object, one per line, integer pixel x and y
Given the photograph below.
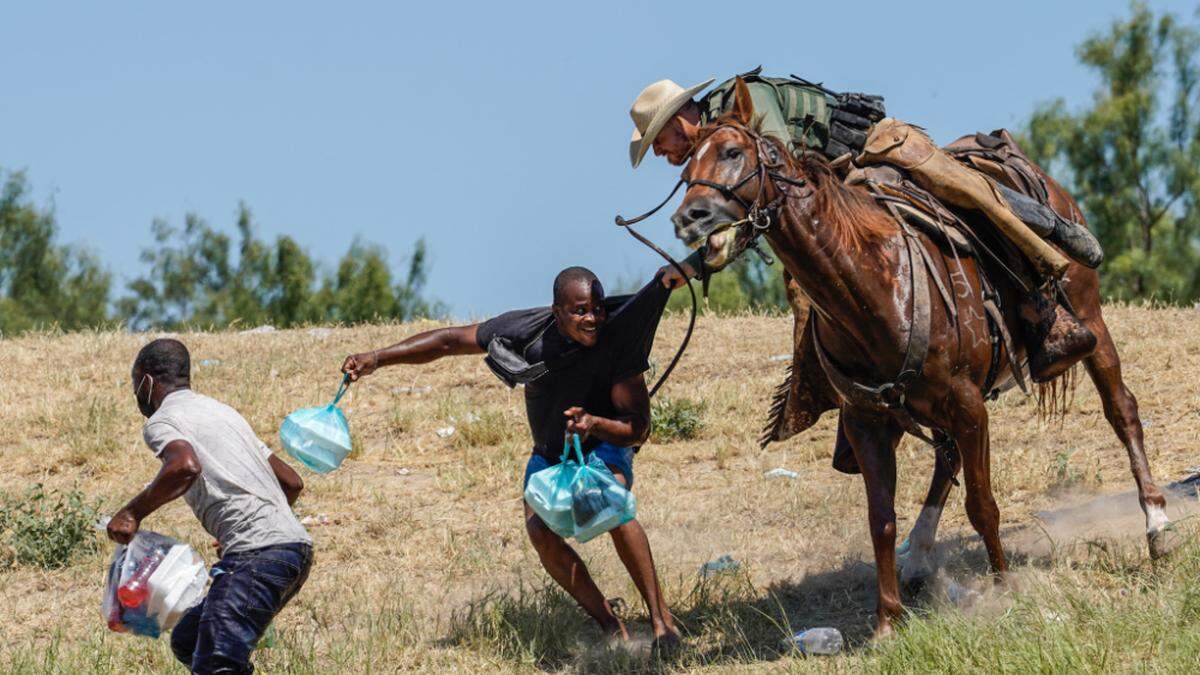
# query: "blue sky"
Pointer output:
{"type": "Point", "coordinates": [497, 131]}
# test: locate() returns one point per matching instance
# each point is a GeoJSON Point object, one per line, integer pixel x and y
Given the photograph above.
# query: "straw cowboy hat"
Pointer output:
{"type": "Point", "coordinates": [651, 111]}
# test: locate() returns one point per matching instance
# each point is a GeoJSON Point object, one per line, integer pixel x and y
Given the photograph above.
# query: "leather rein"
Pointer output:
{"type": "Point", "coordinates": [757, 218]}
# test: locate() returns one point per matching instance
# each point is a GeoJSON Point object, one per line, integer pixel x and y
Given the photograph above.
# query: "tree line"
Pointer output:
{"type": "Point", "coordinates": [1130, 156]}
{"type": "Point", "coordinates": [196, 276]}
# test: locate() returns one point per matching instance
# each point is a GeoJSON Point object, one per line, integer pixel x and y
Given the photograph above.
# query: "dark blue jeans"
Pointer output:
{"type": "Point", "coordinates": [248, 590]}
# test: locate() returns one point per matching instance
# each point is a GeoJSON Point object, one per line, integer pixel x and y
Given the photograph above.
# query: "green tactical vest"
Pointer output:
{"type": "Point", "coordinates": [794, 113]}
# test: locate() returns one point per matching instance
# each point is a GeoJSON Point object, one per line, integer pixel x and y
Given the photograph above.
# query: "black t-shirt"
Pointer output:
{"type": "Point", "coordinates": [579, 376]}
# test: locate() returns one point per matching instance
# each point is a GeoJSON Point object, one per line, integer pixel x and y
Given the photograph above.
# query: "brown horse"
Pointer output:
{"type": "Point", "coordinates": [858, 267]}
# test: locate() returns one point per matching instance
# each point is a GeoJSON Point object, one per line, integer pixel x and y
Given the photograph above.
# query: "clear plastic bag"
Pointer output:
{"type": "Point", "coordinates": [549, 492]}
{"type": "Point", "coordinates": [319, 437]}
{"type": "Point", "coordinates": [578, 498]}
{"type": "Point", "coordinates": [152, 581]}
{"type": "Point", "coordinates": [599, 502]}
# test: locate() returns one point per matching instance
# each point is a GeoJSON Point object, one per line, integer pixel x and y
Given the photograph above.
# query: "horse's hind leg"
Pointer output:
{"type": "Point", "coordinates": [970, 432]}
{"type": "Point", "coordinates": [874, 441]}
{"type": "Point", "coordinates": [1121, 410]}
{"type": "Point", "coordinates": [917, 558]}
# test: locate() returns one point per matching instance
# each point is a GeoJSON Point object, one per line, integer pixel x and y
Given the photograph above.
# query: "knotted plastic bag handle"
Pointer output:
{"type": "Point", "coordinates": [573, 438]}
{"type": "Point", "coordinates": [342, 388]}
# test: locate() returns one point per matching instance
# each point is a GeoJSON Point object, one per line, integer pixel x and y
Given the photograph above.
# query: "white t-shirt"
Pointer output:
{"type": "Point", "coordinates": [237, 497]}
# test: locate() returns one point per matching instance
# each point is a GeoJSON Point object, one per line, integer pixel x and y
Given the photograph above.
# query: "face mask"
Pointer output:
{"type": "Point", "coordinates": [145, 406]}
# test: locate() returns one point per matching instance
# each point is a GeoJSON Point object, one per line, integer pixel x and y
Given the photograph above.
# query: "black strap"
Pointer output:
{"type": "Point", "coordinates": [687, 337]}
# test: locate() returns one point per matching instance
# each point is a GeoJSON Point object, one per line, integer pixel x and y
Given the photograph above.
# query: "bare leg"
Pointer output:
{"type": "Point", "coordinates": [633, 547]}
{"type": "Point", "coordinates": [874, 441]}
{"type": "Point", "coordinates": [970, 433]}
{"type": "Point", "coordinates": [563, 565]}
{"type": "Point", "coordinates": [1121, 411]}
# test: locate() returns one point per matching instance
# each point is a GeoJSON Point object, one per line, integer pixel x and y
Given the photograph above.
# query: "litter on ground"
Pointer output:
{"type": "Point", "coordinates": [725, 563]}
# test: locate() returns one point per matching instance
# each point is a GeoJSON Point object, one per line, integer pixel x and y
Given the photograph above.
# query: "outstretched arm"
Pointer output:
{"type": "Point", "coordinates": [690, 265]}
{"type": "Point", "coordinates": [180, 469]}
{"type": "Point", "coordinates": [420, 348]}
{"type": "Point", "coordinates": [631, 425]}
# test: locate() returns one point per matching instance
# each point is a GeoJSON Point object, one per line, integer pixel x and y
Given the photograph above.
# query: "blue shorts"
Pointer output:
{"type": "Point", "coordinates": [618, 459]}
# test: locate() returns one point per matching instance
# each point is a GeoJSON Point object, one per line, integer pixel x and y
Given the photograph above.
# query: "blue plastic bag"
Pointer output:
{"type": "Point", "coordinates": [578, 498]}
{"type": "Point", "coordinates": [599, 502]}
{"type": "Point", "coordinates": [549, 491]}
{"type": "Point", "coordinates": [319, 437]}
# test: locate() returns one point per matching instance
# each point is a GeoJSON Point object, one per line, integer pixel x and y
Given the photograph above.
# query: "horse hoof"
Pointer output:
{"type": "Point", "coordinates": [1163, 542]}
{"type": "Point", "coordinates": [882, 634]}
{"type": "Point", "coordinates": [916, 585]}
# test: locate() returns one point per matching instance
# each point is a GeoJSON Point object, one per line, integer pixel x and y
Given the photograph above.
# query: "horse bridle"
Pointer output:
{"type": "Point", "coordinates": [758, 218]}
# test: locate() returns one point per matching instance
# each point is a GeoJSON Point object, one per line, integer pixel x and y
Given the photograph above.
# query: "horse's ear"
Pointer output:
{"type": "Point", "coordinates": [743, 105]}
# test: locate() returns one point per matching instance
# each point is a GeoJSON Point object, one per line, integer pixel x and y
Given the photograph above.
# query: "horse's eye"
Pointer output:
{"type": "Point", "coordinates": [733, 153]}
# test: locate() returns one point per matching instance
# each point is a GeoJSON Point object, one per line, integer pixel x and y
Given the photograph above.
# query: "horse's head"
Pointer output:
{"type": "Point", "coordinates": [740, 183]}
{"type": "Point", "coordinates": [728, 186]}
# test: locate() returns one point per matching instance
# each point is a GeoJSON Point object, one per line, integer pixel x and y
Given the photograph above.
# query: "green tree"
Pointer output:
{"type": "Point", "coordinates": [196, 279]}
{"type": "Point", "coordinates": [44, 284]}
{"type": "Point", "coordinates": [1132, 157]}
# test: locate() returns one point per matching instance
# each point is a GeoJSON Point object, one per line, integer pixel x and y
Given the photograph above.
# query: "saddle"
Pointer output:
{"type": "Point", "coordinates": [806, 393]}
{"type": "Point", "coordinates": [1023, 185]}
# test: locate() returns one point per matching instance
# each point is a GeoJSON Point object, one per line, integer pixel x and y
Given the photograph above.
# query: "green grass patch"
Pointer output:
{"type": "Point", "coordinates": [45, 529]}
{"type": "Point", "coordinates": [676, 419]}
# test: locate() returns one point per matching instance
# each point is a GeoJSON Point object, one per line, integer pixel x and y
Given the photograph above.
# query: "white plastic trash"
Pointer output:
{"type": "Point", "coordinates": [176, 586]}
{"type": "Point", "coordinates": [816, 641]}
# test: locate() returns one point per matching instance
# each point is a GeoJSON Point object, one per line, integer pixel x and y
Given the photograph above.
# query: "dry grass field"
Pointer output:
{"type": "Point", "coordinates": [422, 561]}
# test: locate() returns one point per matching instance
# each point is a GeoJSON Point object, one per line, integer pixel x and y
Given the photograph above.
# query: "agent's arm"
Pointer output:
{"type": "Point", "coordinates": [420, 348]}
{"type": "Point", "coordinates": [180, 469]}
{"type": "Point", "coordinates": [630, 427]}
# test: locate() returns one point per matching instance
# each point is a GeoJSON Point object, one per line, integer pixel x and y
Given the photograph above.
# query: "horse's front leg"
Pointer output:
{"type": "Point", "coordinates": [969, 428]}
{"type": "Point", "coordinates": [874, 440]}
{"type": "Point", "coordinates": [917, 561]}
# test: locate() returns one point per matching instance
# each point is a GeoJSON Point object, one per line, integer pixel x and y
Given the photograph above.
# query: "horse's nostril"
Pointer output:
{"type": "Point", "coordinates": [697, 214]}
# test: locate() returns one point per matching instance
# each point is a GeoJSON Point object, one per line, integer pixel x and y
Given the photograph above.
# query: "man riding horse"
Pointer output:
{"type": "Point", "coordinates": [852, 128]}
{"type": "Point", "coordinates": [906, 304]}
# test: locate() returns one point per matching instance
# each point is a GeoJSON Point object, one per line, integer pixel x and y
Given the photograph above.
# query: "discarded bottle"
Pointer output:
{"type": "Point", "coordinates": [136, 590]}
{"type": "Point", "coordinates": [725, 563]}
{"type": "Point", "coordinates": [816, 641]}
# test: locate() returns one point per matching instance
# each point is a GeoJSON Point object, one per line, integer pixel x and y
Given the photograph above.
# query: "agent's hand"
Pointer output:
{"type": "Point", "coordinates": [123, 526]}
{"type": "Point", "coordinates": [579, 422]}
{"type": "Point", "coordinates": [360, 365]}
{"type": "Point", "coordinates": [670, 275]}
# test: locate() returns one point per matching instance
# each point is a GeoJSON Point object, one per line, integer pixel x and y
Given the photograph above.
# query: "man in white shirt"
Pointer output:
{"type": "Point", "coordinates": [242, 495]}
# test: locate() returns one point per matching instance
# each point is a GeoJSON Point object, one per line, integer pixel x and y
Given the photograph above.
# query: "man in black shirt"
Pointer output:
{"type": "Point", "coordinates": [582, 362]}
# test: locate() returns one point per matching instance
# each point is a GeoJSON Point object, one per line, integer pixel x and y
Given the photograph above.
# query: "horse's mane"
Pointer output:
{"type": "Point", "coordinates": [857, 221]}
{"type": "Point", "coordinates": [854, 217]}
